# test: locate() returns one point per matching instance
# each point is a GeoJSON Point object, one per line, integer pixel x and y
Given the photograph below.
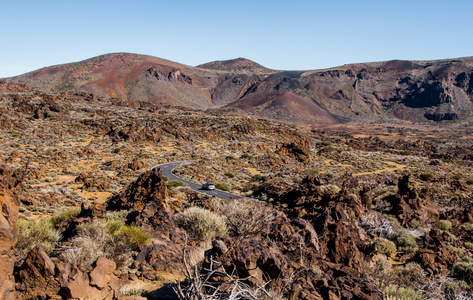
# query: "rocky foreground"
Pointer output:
{"type": "Point", "coordinates": [351, 212]}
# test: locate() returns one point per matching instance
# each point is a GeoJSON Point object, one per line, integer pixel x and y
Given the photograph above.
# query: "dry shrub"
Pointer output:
{"type": "Point", "coordinates": [201, 223]}
{"type": "Point", "coordinates": [32, 233]}
{"type": "Point", "coordinates": [94, 241]}
{"type": "Point", "coordinates": [245, 218]}
{"type": "Point", "coordinates": [65, 216]}
{"type": "Point", "coordinates": [385, 246]}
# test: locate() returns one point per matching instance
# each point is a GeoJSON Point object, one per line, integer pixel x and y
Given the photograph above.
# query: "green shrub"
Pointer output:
{"type": "Point", "coordinates": [65, 216]}
{"type": "Point", "coordinates": [133, 236]}
{"type": "Point", "coordinates": [229, 157]}
{"type": "Point", "coordinates": [311, 173]}
{"type": "Point", "coordinates": [395, 292]}
{"type": "Point", "coordinates": [174, 183]}
{"type": "Point", "coordinates": [329, 188]}
{"type": "Point", "coordinates": [114, 226]}
{"type": "Point", "coordinates": [463, 270]}
{"type": "Point", "coordinates": [468, 227]}
{"type": "Point", "coordinates": [13, 133]}
{"type": "Point", "coordinates": [222, 186]}
{"type": "Point", "coordinates": [119, 215]}
{"type": "Point", "coordinates": [201, 223]}
{"type": "Point", "coordinates": [135, 292]}
{"type": "Point", "coordinates": [456, 250]}
{"type": "Point", "coordinates": [32, 233]}
{"type": "Point", "coordinates": [469, 246]}
{"type": "Point", "coordinates": [427, 176]}
{"type": "Point", "coordinates": [444, 224]}
{"type": "Point", "coordinates": [406, 241]}
{"type": "Point", "coordinates": [229, 174]}
{"type": "Point", "coordinates": [256, 177]}
{"type": "Point", "coordinates": [405, 152]}
{"type": "Point", "coordinates": [165, 178]}
{"type": "Point", "coordinates": [385, 246]}
{"type": "Point", "coordinates": [117, 150]}
{"type": "Point", "coordinates": [469, 181]}
{"type": "Point", "coordinates": [245, 156]}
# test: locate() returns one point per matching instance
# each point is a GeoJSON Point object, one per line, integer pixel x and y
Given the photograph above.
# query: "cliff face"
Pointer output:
{"type": "Point", "coordinates": [394, 91]}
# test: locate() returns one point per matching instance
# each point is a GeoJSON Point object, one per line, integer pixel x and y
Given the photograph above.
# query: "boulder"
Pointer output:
{"type": "Point", "coordinates": [149, 187]}
{"type": "Point", "coordinates": [38, 277]}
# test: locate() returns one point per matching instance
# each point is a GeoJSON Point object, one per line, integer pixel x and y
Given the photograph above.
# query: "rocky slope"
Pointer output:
{"type": "Point", "coordinates": [393, 91]}
{"type": "Point", "coordinates": [346, 212]}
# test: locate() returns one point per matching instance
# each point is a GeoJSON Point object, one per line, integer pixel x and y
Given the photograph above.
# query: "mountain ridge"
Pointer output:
{"type": "Point", "coordinates": [395, 91]}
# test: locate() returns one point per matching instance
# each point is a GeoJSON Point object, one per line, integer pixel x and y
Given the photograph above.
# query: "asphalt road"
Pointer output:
{"type": "Point", "coordinates": [167, 171]}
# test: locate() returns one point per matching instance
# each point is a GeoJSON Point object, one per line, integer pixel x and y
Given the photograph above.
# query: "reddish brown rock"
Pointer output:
{"type": "Point", "coordinates": [35, 274]}
{"type": "Point", "coordinates": [9, 203]}
{"type": "Point", "coordinates": [39, 278]}
{"type": "Point", "coordinates": [149, 187]}
{"type": "Point", "coordinates": [102, 273]}
{"type": "Point", "coordinates": [136, 164]}
{"type": "Point", "coordinates": [92, 182]}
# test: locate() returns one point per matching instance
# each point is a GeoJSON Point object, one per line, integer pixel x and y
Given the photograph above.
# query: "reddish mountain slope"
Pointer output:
{"type": "Point", "coordinates": [393, 91]}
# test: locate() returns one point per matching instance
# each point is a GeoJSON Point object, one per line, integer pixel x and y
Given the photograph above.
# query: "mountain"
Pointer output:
{"type": "Point", "coordinates": [393, 91]}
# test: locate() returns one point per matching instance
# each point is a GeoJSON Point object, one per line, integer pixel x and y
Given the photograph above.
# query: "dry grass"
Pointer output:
{"type": "Point", "coordinates": [246, 218]}
{"type": "Point", "coordinates": [201, 223]}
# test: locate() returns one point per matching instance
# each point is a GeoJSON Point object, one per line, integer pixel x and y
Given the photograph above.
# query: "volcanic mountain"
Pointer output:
{"type": "Point", "coordinates": [394, 91]}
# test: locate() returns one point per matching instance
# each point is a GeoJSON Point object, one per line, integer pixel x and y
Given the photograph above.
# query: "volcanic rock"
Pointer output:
{"type": "Point", "coordinates": [9, 203]}
{"type": "Point", "coordinates": [149, 187]}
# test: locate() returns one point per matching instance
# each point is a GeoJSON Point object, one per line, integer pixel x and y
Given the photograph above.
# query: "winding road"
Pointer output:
{"type": "Point", "coordinates": [167, 171]}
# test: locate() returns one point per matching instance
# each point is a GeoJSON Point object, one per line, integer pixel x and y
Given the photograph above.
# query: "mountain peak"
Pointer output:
{"type": "Point", "coordinates": [237, 64]}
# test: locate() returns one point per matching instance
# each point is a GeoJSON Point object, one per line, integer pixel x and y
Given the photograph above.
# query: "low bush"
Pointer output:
{"type": "Point", "coordinates": [65, 216]}
{"type": "Point", "coordinates": [427, 176]}
{"type": "Point", "coordinates": [256, 177]}
{"type": "Point", "coordinates": [133, 236]}
{"type": "Point", "coordinates": [468, 227]}
{"type": "Point", "coordinates": [174, 183]}
{"type": "Point", "coordinates": [456, 250]}
{"type": "Point", "coordinates": [222, 186]}
{"type": "Point", "coordinates": [113, 226]}
{"type": "Point", "coordinates": [463, 270]}
{"type": "Point", "coordinates": [32, 233]}
{"type": "Point", "coordinates": [246, 218]}
{"type": "Point", "coordinates": [201, 223]}
{"type": "Point", "coordinates": [469, 246]}
{"type": "Point", "coordinates": [94, 240]}
{"type": "Point", "coordinates": [444, 224]}
{"type": "Point", "coordinates": [329, 188]}
{"type": "Point", "coordinates": [119, 215]}
{"type": "Point", "coordinates": [245, 156]}
{"type": "Point", "coordinates": [229, 174]}
{"type": "Point", "coordinates": [385, 246]}
{"type": "Point", "coordinates": [406, 241]}
{"type": "Point", "coordinates": [395, 292]}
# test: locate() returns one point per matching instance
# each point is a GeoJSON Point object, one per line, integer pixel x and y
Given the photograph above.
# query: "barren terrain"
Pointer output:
{"type": "Point", "coordinates": [359, 210]}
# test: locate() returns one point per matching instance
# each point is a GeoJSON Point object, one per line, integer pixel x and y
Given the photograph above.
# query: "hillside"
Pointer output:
{"type": "Point", "coordinates": [395, 91]}
{"type": "Point", "coordinates": [344, 212]}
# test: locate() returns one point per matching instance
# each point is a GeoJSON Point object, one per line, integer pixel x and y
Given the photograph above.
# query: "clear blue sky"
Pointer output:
{"type": "Point", "coordinates": [289, 35]}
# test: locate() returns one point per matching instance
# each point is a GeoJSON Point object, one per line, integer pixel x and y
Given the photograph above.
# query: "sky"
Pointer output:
{"type": "Point", "coordinates": [282, 35]}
